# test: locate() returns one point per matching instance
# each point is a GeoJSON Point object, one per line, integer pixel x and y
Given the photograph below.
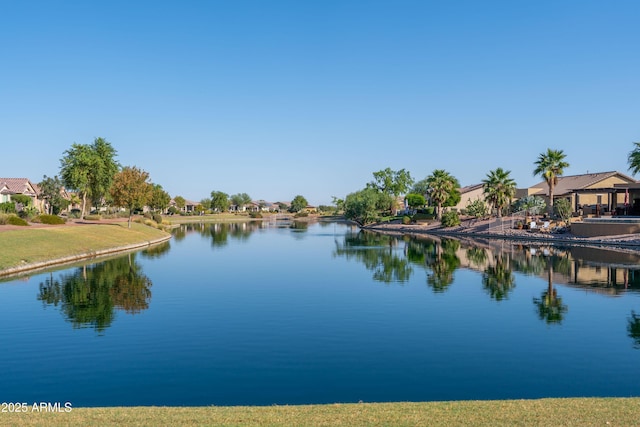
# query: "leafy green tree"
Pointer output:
{"type": "Point", "coordinates": [364, 206]}
{"type": "Point", "coordinates": [423, 187]}
{"type": "Point", "coordinates": [219, 201]}
{"type": "Point", "coordinates": [634, 159]}
{"type": "Point", "coordinates": [180, 202]}
{"type": "Point", "coordinates": [51, 191]}
{"type": "Point", "coordinates": [499, 189]}
{"type": "Point", "coordinates": [240, 200]}
{"type": "Point", "coordinates": [391, 182]}
{"type": "Point", "coordinates": [415, 200]}
{"type": "Point", "coordinates": [106, 168]}
{"type": "Point", "coordinates": [550, 166]}
{"type": "Point", "coordinates": [441, 185]}
{"type": "Point", "coordinates": [338, 203]}
{"type": "Point", "coordinates": [89, 170]}
{"type": "Point", "coordinates": [131, 190]}
{"type": "Point", "coordinates": [160, 199]}
{"type": "Point", "coordinates": [298, 203]}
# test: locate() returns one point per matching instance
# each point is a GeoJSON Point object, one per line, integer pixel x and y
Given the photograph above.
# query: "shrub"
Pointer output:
{"type": "Point", "coordinates": [157, 218]}
{"type": "Point", "coordinates": [450, 219]}
{"type": "Point", "coordinates": [255, 214]}
{"type": "Point", "coordinates": [406, 219]}
{"type": "Point", "coordinates": [301, 215]}
{"type": "Point", "coordinates": [148, 215]}
{"type": "Point", "coordinates": [8, 207]}
{"type": "Point", "coordinates": [93, 217]}
{"type": "Point", "coordinates": [48, 219]}
{"type": "Point", "coordinates": [75, 213]}
{"type": "Point", "coordinates": [15, 220]}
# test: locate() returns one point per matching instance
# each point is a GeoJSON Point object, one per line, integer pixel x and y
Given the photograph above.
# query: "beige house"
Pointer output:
{"type": "Point", "coordinates": [13, 186]}
{"type": "Point", "coordinates": [469, 194]}
{"type": "Point", "coordinates": [603, 189]}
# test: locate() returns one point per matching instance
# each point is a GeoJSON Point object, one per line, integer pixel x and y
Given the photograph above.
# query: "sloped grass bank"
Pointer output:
{"type": "Point", "coordinates": [543, 412]}
{"type": "Point", "coordinates": [29, 247]}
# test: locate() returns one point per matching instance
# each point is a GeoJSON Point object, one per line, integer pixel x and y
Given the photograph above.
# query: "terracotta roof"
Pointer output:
{"type": "Point", "coordinates": [18, 186]}
{"type": "Point", "coordinates": [568, 184]}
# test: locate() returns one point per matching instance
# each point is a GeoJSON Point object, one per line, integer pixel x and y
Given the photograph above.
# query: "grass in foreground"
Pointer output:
{"type": "Point", "coordinates": [543, 412]}
{"type": "Point", "coordinates": [26, 246]}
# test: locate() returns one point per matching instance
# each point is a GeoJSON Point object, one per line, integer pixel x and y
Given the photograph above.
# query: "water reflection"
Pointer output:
{"type": "Point", "coordinates": [220, 233]}
{"type": "Point", "coordinates": [89, 295]}
{"type": "Point", "coordinates": [633, 329]}
{"type": "Point", "coordinates": [607, 271]}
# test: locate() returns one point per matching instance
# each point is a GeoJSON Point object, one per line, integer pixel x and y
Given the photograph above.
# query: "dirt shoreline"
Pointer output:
{"type": "Point", "coordinates": [479, 230]}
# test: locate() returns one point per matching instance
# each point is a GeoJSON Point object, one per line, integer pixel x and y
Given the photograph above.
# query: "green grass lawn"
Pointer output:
{"type": "Point", "coordinates": [543, 412]}
{"type": "Point", "coordinates": [33, 245]}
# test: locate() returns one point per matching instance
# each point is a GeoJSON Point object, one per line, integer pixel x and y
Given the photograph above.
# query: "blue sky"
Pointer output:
{"type": "Point", "coordinates": [279, 98]}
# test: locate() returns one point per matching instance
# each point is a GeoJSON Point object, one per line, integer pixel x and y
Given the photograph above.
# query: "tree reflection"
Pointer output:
{"type": "Point", "coordinates": [378, 253]}
{"type": "Point", "coordinates": [442, 261]}
{"type": "Point", "coordinates": [633, 329]}
{"type": "Point", "coordinates": [498, 279]}
{"type": "Point", "coordinates": [89, 295]}
{"type": "Point", "coordinates": [156, 251]}
{"type": "Point", "coordinates": [549, 306]}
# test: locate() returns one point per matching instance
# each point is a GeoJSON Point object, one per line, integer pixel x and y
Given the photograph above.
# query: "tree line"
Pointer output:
{"type": "Point", "coordinates": [95, 178]}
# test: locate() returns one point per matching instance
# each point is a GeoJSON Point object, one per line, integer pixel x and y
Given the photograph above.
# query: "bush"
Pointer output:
{"type": "Point", "coordinates": [93, 217]}
{"type": "Point", "coordinates": [15, 220]}
{"type": "Point", "coordinates": [8, 207]}
{"type": "Point", "coordinates": [157, 218]}
{"type": "Point", "coordinates": [406, 219]}
{"type": "Point", "coordinates": [49, 219]}
{"type": "Point", "coordinates": [301, 215]}
{"type": "Point", "coordinates": [450, 219]}
{"type": "Point", "coordinates": [255, 214]}
{"type": "Point", "coordinates": [75, 213]}
{"type": "Point", "coordinates": [148, 215]}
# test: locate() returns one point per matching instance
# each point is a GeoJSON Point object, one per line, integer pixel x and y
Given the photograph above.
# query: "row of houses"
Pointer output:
{"type": "Point", "coordinates": [608, 192]}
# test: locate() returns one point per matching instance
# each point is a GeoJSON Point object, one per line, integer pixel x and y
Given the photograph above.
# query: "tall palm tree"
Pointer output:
{"type": "Point", "coordinates": [499, 189]}
{"type": "Point", "coordinates": [440, 185]}
{"type": "Point", "coordinates": [550, 166]}
{"type": "Point", "coordinates": [634, 159]}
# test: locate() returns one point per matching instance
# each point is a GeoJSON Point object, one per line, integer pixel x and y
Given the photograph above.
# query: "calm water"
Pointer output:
{"type": "Point", "coordinates": [229, 314]}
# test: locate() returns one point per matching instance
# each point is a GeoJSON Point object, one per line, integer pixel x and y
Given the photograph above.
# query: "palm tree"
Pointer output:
{"type": "Point", "coordinates": [634, 159]}
{"type": "Point", "coordinates": [499, 189]}
{"type": "Point", "coordinates": [550, 166]}
{"type": "Point", "coordinates": [440, 185]}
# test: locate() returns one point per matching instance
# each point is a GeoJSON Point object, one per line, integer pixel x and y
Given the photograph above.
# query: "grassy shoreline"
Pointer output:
{"type": "Point", "coordinates": [32, 249]}
{"type": "Point", "coordinates": [540, 412]}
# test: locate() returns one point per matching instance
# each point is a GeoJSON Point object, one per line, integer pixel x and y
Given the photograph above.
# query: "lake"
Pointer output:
{"type": "Point", "coordinates": [295, 313]}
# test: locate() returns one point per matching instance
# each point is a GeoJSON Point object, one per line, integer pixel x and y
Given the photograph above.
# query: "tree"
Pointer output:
{"type": "Point", "coordinates": [219, 201]}
{"type": "Point", "coordinates": [422, 187]}
{"type": "Point", "coordinates": [160, 199]}
{"type": "Point", "coordinates": [550, 166]}
{"type": "Point", "coordinates": [440, 185]}
{"type": "Point", "coordinates": [51, 190]}
{"type": "Point", "coordinates": [180, 202]}
{"type": "Point", "coordinates": [415, 200]}
{"type": "Point", "coordinates": [499, 189]}
{"type": "Point", "coordinates": [563, 209]}
{"type": "Point", "coordinates": [131, 190]}
{"type": "Point", "coordinates": [634, 159]}
{"type": "Point", "coordinates": [298, 203]}
{"type": "Point", "coordinates": [89, 169]}
{"type": "Point", "coordinates": [391, 182]}
{"type": "Point", "coordinates": [240, 199]}
{"type": "Point", "coordinates": [106, 168]}
{"type": "Point", "coordinates": [363, 207]}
